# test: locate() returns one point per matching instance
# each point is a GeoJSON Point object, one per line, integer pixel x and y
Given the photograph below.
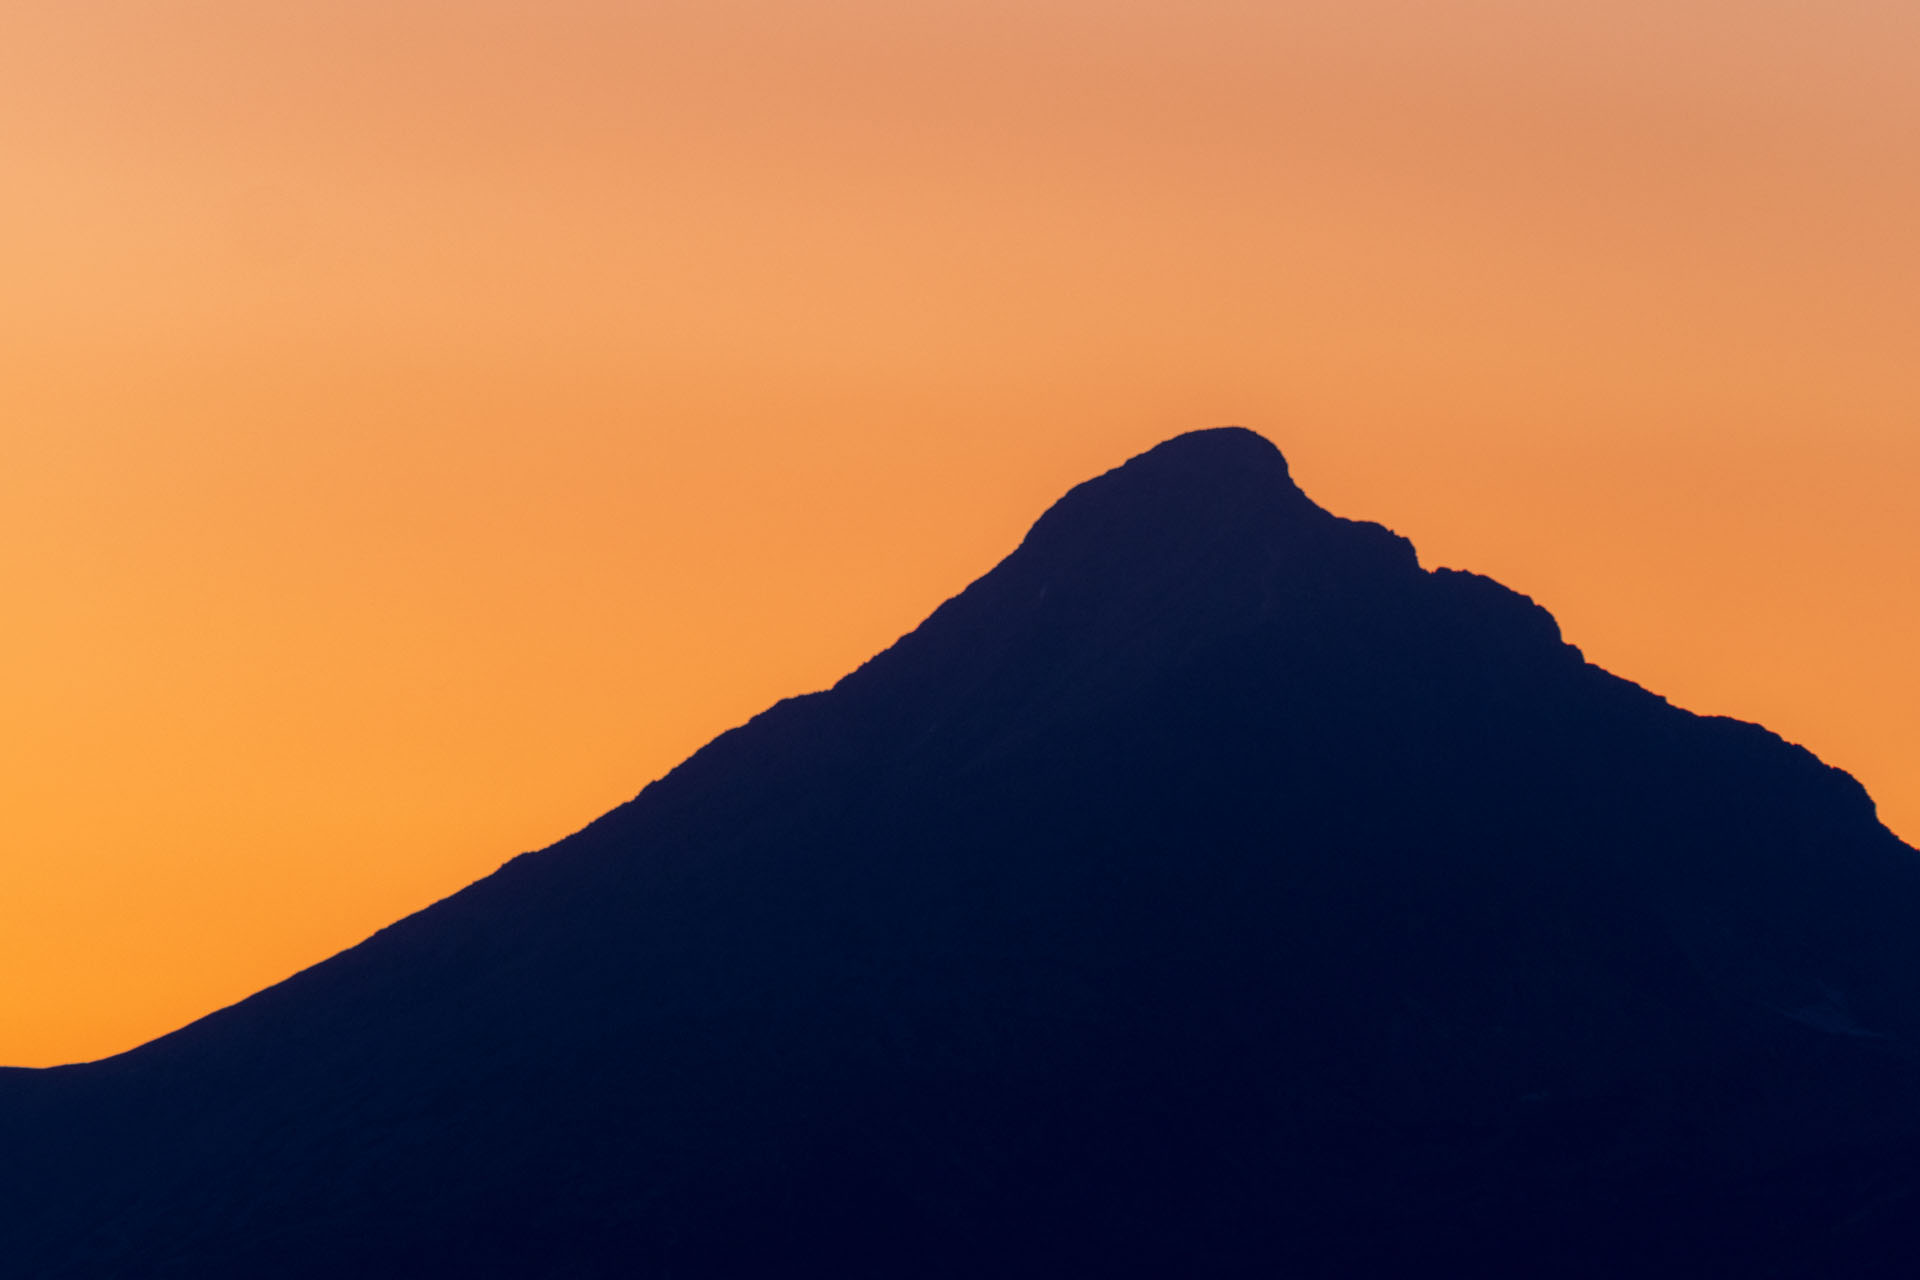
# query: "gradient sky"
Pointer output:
{"type": "Point", "coordinates": [423, 422]}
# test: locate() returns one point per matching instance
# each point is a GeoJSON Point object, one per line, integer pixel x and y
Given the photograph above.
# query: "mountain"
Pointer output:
{"type": "Point", "coordinates": [1207, 890]}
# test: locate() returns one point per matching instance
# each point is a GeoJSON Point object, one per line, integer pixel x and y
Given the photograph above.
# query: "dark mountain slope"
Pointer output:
{"type": "Point", "coordinates": [1206, 890]}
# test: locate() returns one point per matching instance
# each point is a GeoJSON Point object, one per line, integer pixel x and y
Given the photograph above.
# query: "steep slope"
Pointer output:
{"type": "Point", "coordinates": [1207, 889]}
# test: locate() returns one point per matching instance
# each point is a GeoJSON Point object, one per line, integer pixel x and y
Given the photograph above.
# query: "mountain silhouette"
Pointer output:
{"type": "Point", "coordinates": [1207, 890]}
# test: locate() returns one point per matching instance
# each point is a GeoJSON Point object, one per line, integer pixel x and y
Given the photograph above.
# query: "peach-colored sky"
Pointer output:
{"type": "Point", "coordinates": [425, 421]}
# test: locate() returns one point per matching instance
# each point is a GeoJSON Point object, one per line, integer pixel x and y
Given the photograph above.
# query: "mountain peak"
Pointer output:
{"type": "Point", "coordinates": [1216, 446]}
{"type": "Point", "coordinates": [1216, 449]}
{"type": "Point", "coordinates": [1219, 465]}
{"type": "Point", "coordinates": [1179, 499]}
{"type": "Point", "coordinates": [1217, 505]}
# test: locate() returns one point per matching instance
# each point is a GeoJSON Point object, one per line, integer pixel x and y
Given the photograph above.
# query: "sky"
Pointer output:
{"type": "Point", "coordinates": [424, 422]}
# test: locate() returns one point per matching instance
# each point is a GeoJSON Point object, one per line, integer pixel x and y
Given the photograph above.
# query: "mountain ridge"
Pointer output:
{"type": "Point", "coordinates": [1207, 876]}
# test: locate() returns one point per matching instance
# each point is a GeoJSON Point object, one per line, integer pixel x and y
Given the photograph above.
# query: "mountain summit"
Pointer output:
{"type": "Point", "coordinates": [1206, 890]}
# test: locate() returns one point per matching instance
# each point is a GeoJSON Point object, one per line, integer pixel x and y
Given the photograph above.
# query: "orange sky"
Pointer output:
{"type": "Point", "coordinates": [425, 421]}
